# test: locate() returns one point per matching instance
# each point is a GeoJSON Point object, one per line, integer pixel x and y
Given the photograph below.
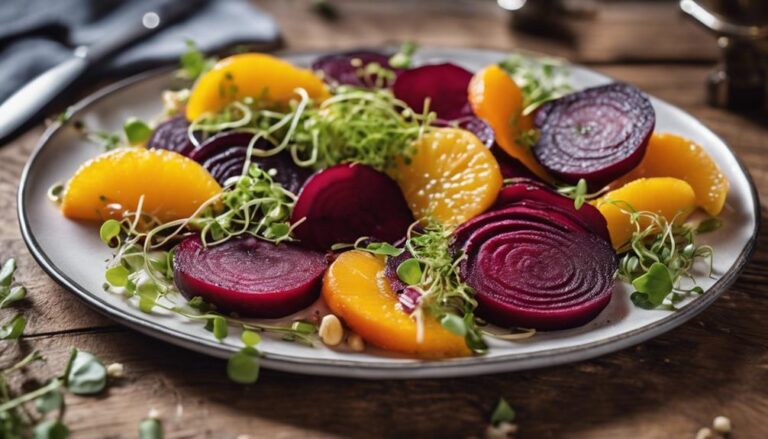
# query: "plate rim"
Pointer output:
{"type": "Point", "coordinates": [411, 368]}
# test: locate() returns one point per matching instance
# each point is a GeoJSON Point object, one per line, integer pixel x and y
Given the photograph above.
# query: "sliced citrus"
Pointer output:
{"type": "Point", "coordinates": [450, 178]}
{"type": "Point", "coordinates": [356, 290]}
{"type": "Point", "coordinates": [173, 186]}
{"type": "Point", "coordinates": [670, 155]}
{"type": "Point", "coordinates": [497, 99]}
{"type": "Point", "coordinates": [672, 198]}
{"type": "Point", "coordinates": [255, 75]}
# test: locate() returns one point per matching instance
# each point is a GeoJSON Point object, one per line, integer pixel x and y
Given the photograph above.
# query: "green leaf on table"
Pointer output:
{"type": "Point", "coordinates": [12, 295]}
{"type": "Point", "coordinates": [151, 428]}
{"type": "Point", "coordinates": [85, 373]}
{"type": "Point", "coordinates": [49, 402]}
{"type": "Point", "coordinates": [243, 366]}
{"type": "Point", "coordinates": [6, 273]}
{"type": "Point", "coordinates": [656, 283]}
{"type": "Point", "coordinates": [51, 429]}
{"type": "Point", "coordinates": [409, 271]}
{"type": "Point", "coordinates": [13, 329]}
{"type": "Point", "coordinates": [502, 413]}
{"type": "Point", "coordinates": [136, 131]}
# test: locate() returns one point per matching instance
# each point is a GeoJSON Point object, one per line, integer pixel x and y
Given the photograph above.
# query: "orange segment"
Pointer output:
{"type": "Point", "coordinates": [670, 155]}
{"type": "Point", "coordinates": [105, 186]}
{"type": "Point", "coordinates": [497, 99]}
{"type": "Point", "coordinates": [670, 197]}
{"type": "Point", "coordinates": [451, 177]}
{"type": "Point", "coordinates": [356, 290]}
{"type": "Point", "coordinates": [257, 75]}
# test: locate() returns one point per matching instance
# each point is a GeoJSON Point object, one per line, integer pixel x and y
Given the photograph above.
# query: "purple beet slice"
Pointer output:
{"type": "Point", "coordinates": [249, 276]}
{"type": "Point", "coordinates": [390, 271]}
{"type": "Point", "coordinates": [173, 136]}
{"type": "Point", "coordinates": [345, 202]}
{"type": "Point", "coordinates": [536, 268]}
{"type": "Point", "coordinates": [348, 68]}
{"type": "Point", "coordinates": [598, 134]}
{"type": "Point", "coordinates": [526, 192]}
{"type": "Point", "coordinates": [444, 84]}
{"type": "Point", "coordinates": [511, 167]}
{"type": "Point", "coordinates": [474, 125]}
{"type": "Point", "coordinates": [223, 155]}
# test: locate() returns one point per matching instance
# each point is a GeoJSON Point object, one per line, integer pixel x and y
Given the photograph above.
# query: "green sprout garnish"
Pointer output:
{"type": "Point", "coordinates": [136, 131]}
{"type": "Point", "coordinates": [370, 127]}
{"type": "Point", "coordinates": [659, 256]}
{"type": "Point", "coordinates": [434, 272]}
{"type": "Point", "coordinates": [403, 59]}
{"type": "Point", "coordinates": [194, 63]}
{"type": "Point", "coordinates": [579, 193]}
{"type": "Point", "coordinates": [540, 79]}
{"type": "Point", "coordinates": [142, 265]}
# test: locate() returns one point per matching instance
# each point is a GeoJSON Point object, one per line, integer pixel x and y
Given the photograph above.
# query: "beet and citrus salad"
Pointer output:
{"type": "Point", "coordinates": [423, 208]}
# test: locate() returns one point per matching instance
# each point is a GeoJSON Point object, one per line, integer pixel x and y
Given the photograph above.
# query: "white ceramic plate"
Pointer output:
{"type": "Point", "coordinates": [73, 255]}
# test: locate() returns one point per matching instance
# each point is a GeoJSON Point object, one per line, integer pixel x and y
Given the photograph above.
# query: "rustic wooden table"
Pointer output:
{"type": "Point", "coordinates": [668, 387]}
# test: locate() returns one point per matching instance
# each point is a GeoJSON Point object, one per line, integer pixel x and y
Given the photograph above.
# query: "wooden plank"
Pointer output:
{"type": "Point", "coordinates": [618, 31]}
{"type": "Point", "coordinates": [668, 387]}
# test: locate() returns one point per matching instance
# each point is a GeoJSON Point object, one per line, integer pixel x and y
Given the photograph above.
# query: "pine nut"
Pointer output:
{"type": "Point", "coordinates": [331, 331]}
{"type": "Point", "coordinates": [704, 433]}
{"type": "Point", "coordinates": [722, 424]}
{"type": "Point", "coordinates": [355, 342]}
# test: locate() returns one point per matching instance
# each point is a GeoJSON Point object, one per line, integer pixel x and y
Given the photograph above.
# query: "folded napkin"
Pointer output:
{"type": "Point", "coordinates": [35, 35]}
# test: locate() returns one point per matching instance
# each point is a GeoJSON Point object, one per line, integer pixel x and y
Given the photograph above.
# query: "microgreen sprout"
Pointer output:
{"type": "Point", "coordinates": [433, 271]}
{"type": "Point", "coordinates": [579, 193]}
{"type": "Point", "coordinates": [370, 127]}
{"type": "Point", "coordinates": [659, 256]}
{"type": "Point", "coordinates": [403, 59]}
{"type": "Point", "coordinates": [10, 291]}
{"type": "Point", "coordinates": [84, 374]}
{"type": "Point", "coordinates": [193, 63]}
{"type": "Point", "coordinates": [136, 131]}
{"type": "Point", "coordinates": [540, 79]}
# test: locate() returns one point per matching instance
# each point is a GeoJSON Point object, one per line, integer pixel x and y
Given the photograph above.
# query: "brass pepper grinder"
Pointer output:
{"type": "Point", "coordinates": [740, 81]}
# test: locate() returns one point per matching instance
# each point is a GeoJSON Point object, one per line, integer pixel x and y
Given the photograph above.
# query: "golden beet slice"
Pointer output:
{"type": "Point", "coordinates": [670, 155]}
{"type": "Point", "coordinates": [670, 197]}
{"type": "Point", "coordinates": [104, 187]}
{"type": "Point", "coordinates": [451, 177]}
{"type": "Point", "coordinates": [356, 290]}
{"type": "Point", "coordinates": [255, 75]}
{"type": "Point", "coordinates": [496, 98]}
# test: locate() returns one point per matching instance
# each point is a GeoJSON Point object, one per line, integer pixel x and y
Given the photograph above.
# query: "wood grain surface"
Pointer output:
{"type": "Point", "coordinates": [717, 364]}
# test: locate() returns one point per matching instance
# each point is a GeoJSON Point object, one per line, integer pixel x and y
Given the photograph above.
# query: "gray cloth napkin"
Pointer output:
{"type": "Point", "coordinates": [35, 35]}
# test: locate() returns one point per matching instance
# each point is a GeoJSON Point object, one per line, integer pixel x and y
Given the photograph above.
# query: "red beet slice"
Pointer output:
{"type": "Point", "coordinates": [249, 276]}
{"type": "Point", "coordinates": [223, 155]}
{"type": "Point", "coordinates": [445, 84]}
{"type": "Point", "coordinates": [345, 202]}
{"type": "Point", "coordinates": [173, 136]}
{"type": "Point", "coordinates": [536, 268]}
{"type": "Point", "coordinates": [597, 134]}
{"type": "Point", "coordinates": [347, 68]}
{"type": "Point", "coordinates": [523, 192]}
